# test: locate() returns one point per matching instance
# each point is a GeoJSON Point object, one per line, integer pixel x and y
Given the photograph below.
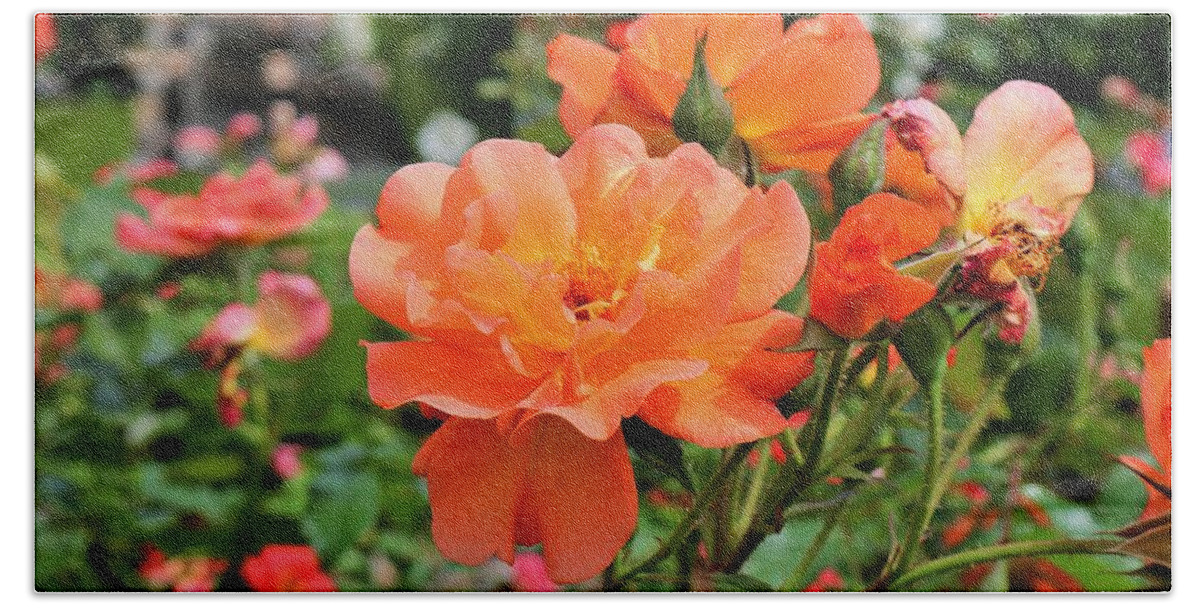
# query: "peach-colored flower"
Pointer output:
{"type": "Point", "coordinates": [556, 297]}
{"type": "Point", "coordinates": [289, 321]}
{"type": "Point", "coordinates": [1017, 176]}
{"type": "Point", "coordinates": [180, 573]}
{"type": "Point", "coordinates": [797, 95]}
{"type": "Point", "coordinates": [1156, 417]}
{"type": "Point", "coordinates": [258, 207]}
{"type": "Point", "coordinates": [854, 285]}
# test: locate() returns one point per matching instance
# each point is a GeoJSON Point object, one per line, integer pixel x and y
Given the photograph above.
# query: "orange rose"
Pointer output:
{"type": "Point", "coordinates": [557, 296]}
{"type": "Point", "coordinates": [797, 95]}
{"type": "Point", "coordinates": [854, 285]}
{"type": "Point", "coordinates": [258, 207]}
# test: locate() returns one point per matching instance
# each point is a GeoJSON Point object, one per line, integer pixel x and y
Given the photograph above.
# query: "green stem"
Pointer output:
{"type": "Point", "coordinates": [859, 431]}
{"type": "Point", "coordinates": [966, 439]}
{"type": "Point", "coordinates": [703, 501]}
{"type": "Point", "coordinates": [937, 425]}
{"type": "Point", "coordinates": [998, 552]}
{"type": "Point", "coordinates": [750, 503]}
{"type": "Point", "coordinates": [796, 476]}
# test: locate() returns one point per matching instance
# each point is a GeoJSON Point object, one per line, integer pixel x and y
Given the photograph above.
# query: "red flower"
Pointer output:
{"type": "Point", "coordinates": [854, 285]}
{"type": "Point", "coordinates": [827, 580]}
{"type": "Point", "coordinates": [286, 568]}
{"type": "Point", "coordinates": [258, 207]}
{"type": "Point", "coordinates": [45, 36]}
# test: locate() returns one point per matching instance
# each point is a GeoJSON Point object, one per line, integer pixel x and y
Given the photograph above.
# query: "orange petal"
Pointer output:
{"type": "Point", "coordinates": [537, 214]}
{"type": "Point", "coordinates": [734, 401]}
{"type": "Point", "coordinates": [906, 176]}
{"type": "Point", "coordinates": [1156, 402]}
{"type": "Point", "coordinates": [583, 495]}
{"type": "Point", "coordinates": [822, 69]}
{"type": "Point", "coordinates": [460, 380]}
{"type": "Point", "coordinates": [899, 227]}
{"type": "Point", "coordinates": [376, 278]}
{"type": "Point", "coordinates": [923, 127]}
{"type": "Point", "coordinates": [599, 414]}
{"type": "Point", "coordinates": [411, 201]}
{"type": "Point", "coordinates": [1023, 141]}
{"type": "Point", "coordinates": [585, 71]}
{"type": "Point", "coordinates": [473, 476]}
{"type": "Point", "coordinates": [774, 253]}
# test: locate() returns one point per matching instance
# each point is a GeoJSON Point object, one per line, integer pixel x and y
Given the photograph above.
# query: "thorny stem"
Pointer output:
{"type": "Point", "coordinates": [998, 552]}
{"type": "Point", "coordinates": [797, 481]}
{"type": "Point", "coordinates": [934, 394]}
{"type": "Point", "coordinates": [699, 509]}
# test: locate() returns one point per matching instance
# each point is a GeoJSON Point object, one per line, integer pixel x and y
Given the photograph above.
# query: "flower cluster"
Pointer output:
{"type": "Point", "coordinates": [635, 276]}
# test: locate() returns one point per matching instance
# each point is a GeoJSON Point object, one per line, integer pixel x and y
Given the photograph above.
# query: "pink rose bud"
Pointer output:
{"type": "Point", "coordinates": [530, 574]}
{"type": "Point", "coordinates": [285, 460]}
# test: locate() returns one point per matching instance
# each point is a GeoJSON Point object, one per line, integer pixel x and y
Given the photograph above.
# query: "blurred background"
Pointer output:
{"type": "Point", "coordinates": [129, 454]}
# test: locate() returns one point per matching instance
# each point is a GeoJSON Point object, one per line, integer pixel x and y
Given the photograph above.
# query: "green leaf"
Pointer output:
{"type": "Point", "coordinates": [1040, 388]}
{"type": "Point", "coordinates": [659, 450]}
{"type": "Point", "coordinates": [924, 341]}
{"type": "Point", "coordinates": [703, 115]}
{"type": "Point", "coordinates": [344, 506]}
{"type": "Point", "coordinates": [859, 170]}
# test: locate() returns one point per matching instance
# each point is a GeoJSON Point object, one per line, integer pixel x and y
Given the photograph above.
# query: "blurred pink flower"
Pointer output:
{"type": "Point", "coordinates": [243, 126]}
{"type": "Point", "coordinates": [197, 145]}
{"type": "Point", "coordinates": [1121, 91]}
{"type": "Point", "coordinates": [327, 166]}
{"type": "Point", "coordinates": [1151, 156]}
{"type": "Point", "coordinates": [258, 207]}
{"type": "Point", "coordinates": [136, 172]}
{"type": "Point", "coordinates": [180, 573]}
{"type": "Point", "coordinates": [289, 321]}
{"type": "Point", "coordinates": [285, 460]}
{"type": "Point", "coordinates": [64, 293]}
